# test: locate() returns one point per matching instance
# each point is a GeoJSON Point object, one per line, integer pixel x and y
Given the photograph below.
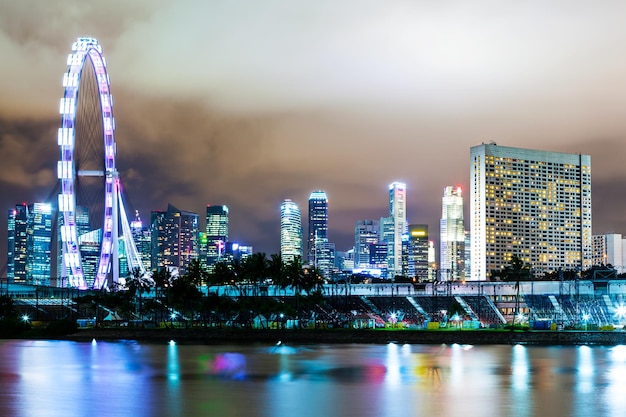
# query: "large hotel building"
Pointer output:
{"type": "Point", "coordinates": [529, 203]}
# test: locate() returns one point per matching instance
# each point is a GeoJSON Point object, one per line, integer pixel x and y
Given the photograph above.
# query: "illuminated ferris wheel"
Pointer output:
{"type": "Point", "coordinates": [90, 204]}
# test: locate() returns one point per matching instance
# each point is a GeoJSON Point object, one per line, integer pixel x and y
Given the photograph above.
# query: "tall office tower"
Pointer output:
{"type": "Point", "coordinates": [452, 235]}
{"type": "Point", "coordinates": [290, 230]}
{"type": "Point", "coordinates": [432, 265]}
{"type": "Point", "coordinates": [216, 233]}
{"type": "Point", "coordinates": [397, 212]}
{"type": "Point", "coordinates": [468, 255]}
{"type": "Point", "coordinates": [29, 234]}
{"type": "Point", "coordinates": [529, 203]}
{"type": "Point", "coordinates": [379, 257]}
{"type": "Point", "coordinates": [386, 236]}
{"type": "Point", "coordinates": [90, 254]}
{"type": "Point", "coordinates": [10, 244]}
{"type": "Point", "coordinates": [38, 243]}
{"type": "Point", "coordinates": [122, 258]}
{"type": "Point", "coordinates": [141, 237]}
{"type": "Point", "coordinates": [17, 250]}
{"type": "Point", "coordinates": [366, 232]}
{"type": "Point", "coordinates": [318, 225]}
{"type": "Point", "coordinates": [174, 236]}
{"type": "Point", "coordinates": [325, 257]}
{"type": "Point", "coordinates": [407, 267]}
{"type": "Point", "coordinates": [417, 252]}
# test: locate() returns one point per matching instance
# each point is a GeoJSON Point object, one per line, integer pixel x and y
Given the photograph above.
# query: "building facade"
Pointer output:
{"type": "Point", "coordinates": [216, 233]}
{"type": "Point", "coordinates": [174, 235]}
{"type": "Point", "coordinates": [452, 235]}
{"type": "Point", "coordinates": [609, 249]}
{"type": "Point", "coordinates": [29, 248]}
{"type": "Point", "coordinates": [417, 252]}
{"type": "Point", "coordinates": [366, 232]}
{"type": "Point", "coordinates": [290, 231]}
{"type": "Point", "coordinates": [532, 204]}
{"type": "Point", "coordinates": [397, 213]}
{"type": "Point", "coordinates": [318, 224]}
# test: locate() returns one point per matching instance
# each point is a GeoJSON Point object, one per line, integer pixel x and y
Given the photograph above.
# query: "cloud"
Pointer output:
{"type": "Point", "coordinates": [41, 25]}
{"type": "Point", "coordinates": [29, 153]}
{"type": "Point", "coordinates": [246, 104]}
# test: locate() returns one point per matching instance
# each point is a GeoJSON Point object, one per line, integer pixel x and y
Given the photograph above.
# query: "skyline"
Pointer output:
{"type": "Point", "coordinates": [239, 93]}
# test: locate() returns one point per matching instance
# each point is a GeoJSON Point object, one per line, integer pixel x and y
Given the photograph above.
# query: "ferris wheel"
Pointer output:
{"type": "Point", "coordinates": [87, 156]}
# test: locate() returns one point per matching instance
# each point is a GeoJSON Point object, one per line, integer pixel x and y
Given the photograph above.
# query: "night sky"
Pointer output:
{"type": "Point", "coordinates": [247, 103]}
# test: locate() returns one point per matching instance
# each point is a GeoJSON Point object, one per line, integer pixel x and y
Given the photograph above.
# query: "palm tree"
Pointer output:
{"type": "Point", "coordinates": [138, 282]}
{"type": "Point", "coordinates": [517, 271]}
{"type": "Point", "coordinates": [256, 267]}
{"type": "Point", "coordinates": [162, 281]}
{"type": "Point", "coordinates": [196, 272]}
{"type": "Point", "coordinates": [185, 295]}
{"type": "Point", "coordinates": [276, 271]}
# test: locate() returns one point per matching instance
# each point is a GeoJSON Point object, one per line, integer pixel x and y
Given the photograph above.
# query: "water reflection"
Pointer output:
{"type": "Point", "coordinates": [58, 378]}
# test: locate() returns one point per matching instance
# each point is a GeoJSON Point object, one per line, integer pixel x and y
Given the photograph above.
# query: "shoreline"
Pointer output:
{"type": "Point", "coordinates": [345, 336]}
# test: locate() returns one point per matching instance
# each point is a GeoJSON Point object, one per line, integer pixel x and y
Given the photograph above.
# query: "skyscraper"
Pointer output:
{"type": "Point", "coordinates": [387, 234]}
{"type": "Point", "coordinates": [38, 242]}
{"type": "Point", "coordinates": [532, 204]}
{"type": "Point", "coordinates": [452, 235]}
{"type": "Point", "coordinates": [290, 230]}
{"type": "Point", "coordinates": [318, 224]}
{"type": "Point", "coordinates": [174, 236]}
{"type": "Point", "coordinates": [418, 252]}
{"type": "Point", "coordinates": [90, 254]}
{"type": "Point", "coordinates": [29, 233]}
{"type": "Point", "coordinates": [216, 233]}
{"type": "Point", "coordinates": [17, 249]}
{"type": "Point", "coordinates": [366, 232]}
{"type": "Point", "coordinates": [397, 212]}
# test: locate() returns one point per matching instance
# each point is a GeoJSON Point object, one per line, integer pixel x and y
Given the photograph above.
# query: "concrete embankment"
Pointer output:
{"type": "Point", "coordinates": [308, 336]}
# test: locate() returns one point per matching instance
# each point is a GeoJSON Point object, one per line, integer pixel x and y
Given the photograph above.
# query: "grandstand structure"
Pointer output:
{"type": "Point", "coordinates": [580, 304]}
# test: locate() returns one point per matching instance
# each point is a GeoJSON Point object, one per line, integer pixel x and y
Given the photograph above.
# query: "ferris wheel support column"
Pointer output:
{"type": "Point", "coordinates": [114, 277]}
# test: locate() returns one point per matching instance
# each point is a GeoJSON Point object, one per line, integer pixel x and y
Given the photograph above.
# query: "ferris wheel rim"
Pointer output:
{"type": "Point", "coordinates": [83, 49]}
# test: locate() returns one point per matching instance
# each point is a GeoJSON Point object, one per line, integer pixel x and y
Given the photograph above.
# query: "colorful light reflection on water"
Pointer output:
{"type": "Point", "coordinates": [60, 378]}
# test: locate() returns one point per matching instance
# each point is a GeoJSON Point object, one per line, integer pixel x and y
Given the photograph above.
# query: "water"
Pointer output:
{"type": "Point", "coordinates": [62, 378]}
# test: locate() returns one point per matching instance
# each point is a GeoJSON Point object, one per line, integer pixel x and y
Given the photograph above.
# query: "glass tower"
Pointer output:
{"type": "Point", "coordinates": [318, 225]}
{"type": "Point", "coordinates": [216, 233]}
{"type": "Point", "coordinates": [16, 250]}
{"type": "Point", "coordinates": [290, 230]}
{"type": "Point", "coordinates": [174, 235]}
{"type": "Point", "coordinates": [452, 236]}
{"type": "Point", "coordinates": [366, 232]}
{"type": "Point", "coordinates": [532, 204]}
{"type": "Point", "coordinates": [418, 252]}
{"type": "Point", "coordinates": [29, 234]}
{"type": "Point", "coordinates": [397, 213]}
